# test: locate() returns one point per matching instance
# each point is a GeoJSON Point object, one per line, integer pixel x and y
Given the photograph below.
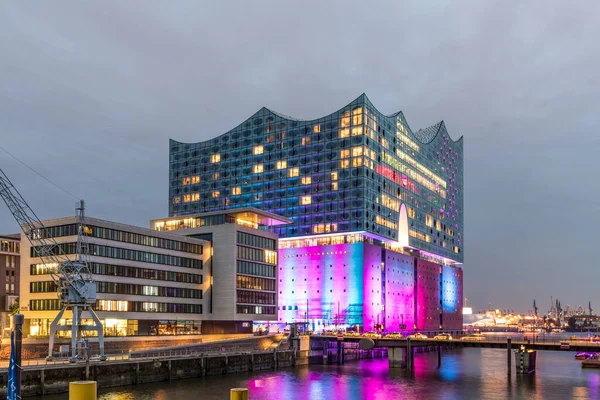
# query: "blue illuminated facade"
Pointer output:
{"type": "Point", "coordinates": [353, 171]}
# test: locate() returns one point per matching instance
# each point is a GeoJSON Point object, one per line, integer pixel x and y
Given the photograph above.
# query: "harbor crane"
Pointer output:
{"type": "Point", "coordinates": [73, 279]}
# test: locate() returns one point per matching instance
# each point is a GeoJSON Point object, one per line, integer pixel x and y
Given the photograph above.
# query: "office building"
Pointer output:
{"type": "Point", "coordinates": [244, 268]}
{"type": "Point", "coordinates": [376, 210]}
{"type": "Point", "coordinates": [9, 277]}
{"type": "Point", "coordinates": [148, 283]}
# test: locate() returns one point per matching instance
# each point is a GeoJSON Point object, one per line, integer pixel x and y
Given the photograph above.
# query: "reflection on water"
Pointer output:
{"type": "Point", "coordinates": [464, 374]}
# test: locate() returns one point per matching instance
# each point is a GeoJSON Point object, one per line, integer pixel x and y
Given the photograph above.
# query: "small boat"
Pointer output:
{"type": "Point", "coordinates": [584, 355]}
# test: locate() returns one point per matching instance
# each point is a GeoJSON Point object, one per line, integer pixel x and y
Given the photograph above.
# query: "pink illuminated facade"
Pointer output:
{"type": "Point", "coordinates": [366, 284]}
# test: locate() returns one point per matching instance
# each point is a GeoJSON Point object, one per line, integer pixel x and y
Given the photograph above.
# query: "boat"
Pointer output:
{"type": "Point", "coordinates": [584, 355]}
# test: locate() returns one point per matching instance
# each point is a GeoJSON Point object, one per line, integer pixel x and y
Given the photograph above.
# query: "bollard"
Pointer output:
{"type": "Point", "coordinates": [238, 394]}
{"type": "Point", "coordinates": [82, 390]}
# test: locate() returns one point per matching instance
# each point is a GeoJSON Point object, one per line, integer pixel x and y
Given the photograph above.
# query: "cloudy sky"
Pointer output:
{"type": "Point", "coordinates": [90, 93]}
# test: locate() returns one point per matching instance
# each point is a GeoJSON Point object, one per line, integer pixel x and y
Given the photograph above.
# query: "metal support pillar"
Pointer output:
{"type": "Point", "coordinates": [508, 354]}
{"type": "Point", "coordinates": [18, 320]}
{"type": "Point", "coordinates": [409, 355]}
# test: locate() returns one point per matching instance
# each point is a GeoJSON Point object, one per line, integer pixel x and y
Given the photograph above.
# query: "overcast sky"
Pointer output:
{"type": "Point", "coordinates": [91, 92]}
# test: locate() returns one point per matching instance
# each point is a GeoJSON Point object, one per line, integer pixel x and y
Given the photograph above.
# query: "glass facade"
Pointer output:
{"type": "Point", "coordinates": [355, 170]}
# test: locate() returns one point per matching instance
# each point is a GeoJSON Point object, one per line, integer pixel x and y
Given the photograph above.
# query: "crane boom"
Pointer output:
{"type": "Point", "coordinates": [73, 278]}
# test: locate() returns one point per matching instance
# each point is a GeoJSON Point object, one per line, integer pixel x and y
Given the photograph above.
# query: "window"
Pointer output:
{"type": "Point", "coordinates": [305, 140]}
{"type": "Point", "coordinates": [236, 190]}
{"type": "Point", "coordinates": [293, 172]}
{"type": "Point", "coordinates": [334, 176]}
{"type": "Point", "coordinates": [306, 180]}
{"type": "Point", "coordinates": [334, 186]}
{"type": "Point", "coordinates": [215, 158]}
{"type": "Point", "coordinates": [344, 133]}
{"type": "Point", "coordinates": [258, 168]}
{"type": "Point", "coordinates": [357, 151]}
{"type": "Point", "coordinates": [216, 194]}
{"type": "Point", "coordinates": [195, 196]}
{"type": "Point", "coordinates": [344, 163]}
{"type": "Point", "coordinates": [357, 162]}
{"type": "Point", "coordinates": [345, 120]}
{"type": "Point", "coordinates": [429, 220]}
{"type": "Point", "coordinates": [357, 131]}
{"type": "Point", "coordinates": [345, 154]}
{"type": "Point", "coordinates": [317, 128]}
{"type": "Point", "coordinates": [281, 164]}
{"type": "Point", "coordinates": [257, 150]}
{"type": "Point", "coordinates": [187, 198]}
{"type": "Point", "coordinates": [186, 181]}
{"type": "Point", "coordinates": [195, 179]}
{"type": "Point", "coordinates": [176, 200]}
{"type": "Point", "coordinates": [304, 200]}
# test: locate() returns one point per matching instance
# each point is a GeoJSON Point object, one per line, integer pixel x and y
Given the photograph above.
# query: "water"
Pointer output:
{"type": "Point", "coordinates": [464, 374]}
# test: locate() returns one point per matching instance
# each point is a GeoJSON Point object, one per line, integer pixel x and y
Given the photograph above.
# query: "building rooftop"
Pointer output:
{"type": "Point", "coordinates": [252, 215]}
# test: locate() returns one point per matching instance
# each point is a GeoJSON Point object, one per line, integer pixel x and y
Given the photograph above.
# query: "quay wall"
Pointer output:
{"type": "Point", "coordinates": [55, 378]}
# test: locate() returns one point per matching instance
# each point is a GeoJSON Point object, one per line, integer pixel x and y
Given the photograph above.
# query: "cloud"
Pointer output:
{"type": "Point", "coordinates": [91, 92]}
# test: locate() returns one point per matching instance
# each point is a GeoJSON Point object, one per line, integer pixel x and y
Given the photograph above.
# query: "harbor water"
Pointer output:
{"type": "Point", "coordinates": [468, 373]}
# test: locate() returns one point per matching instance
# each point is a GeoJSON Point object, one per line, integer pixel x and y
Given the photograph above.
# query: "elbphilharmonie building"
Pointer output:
{"type": "Point", "coordinates": [376, 237]}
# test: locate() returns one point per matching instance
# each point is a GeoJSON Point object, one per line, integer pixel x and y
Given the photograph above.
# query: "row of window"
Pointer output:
{"type": "Point", "coordinates": [250, 268]}
{"type": "Point", "coordinates": [245, 309]}
{"type": "Point", "coordinates": [127, 254]}
{"type": "Point", "coordinates": [121, 236]}
{"type": "Point", "coordinates": [127, 306]}
{"type": "Point", "coordinates": [244, 296]}
{"type": "Point", "coordinates": [125, 288]}
{"type": "Point", "coordinates": [250, 282]}
{"type": "Point", "coordinates": [256, 241]}
{"type": "Point", "coordinates": [129, 272]}
{"type": "Point", "coordinates": [266, 256]}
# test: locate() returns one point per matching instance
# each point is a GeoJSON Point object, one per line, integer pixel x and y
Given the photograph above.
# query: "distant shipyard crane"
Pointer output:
{"type": "Point", "coordinates": [73, 279]}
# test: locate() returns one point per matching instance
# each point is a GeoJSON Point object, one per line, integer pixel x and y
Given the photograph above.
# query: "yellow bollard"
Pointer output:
{"type": "Point", "coordinates": [82, 390]}
{"type": "Point", "coordinates": [237, 394]}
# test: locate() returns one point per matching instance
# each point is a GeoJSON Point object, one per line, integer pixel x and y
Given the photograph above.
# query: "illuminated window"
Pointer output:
{"type": "Point", "coordinates": [195, 196]}
{"type": "Point", "coordinates": [428, 220]}
{"type": "Point", "coordinates": [411, 212]}
{"type": "Point", "coordinates": [257, 150]}
{"type": "Point", "coordinates": [306, 180]}
{"type": "Point", "coordinates": [344, 133]}
{"type": "Point", "coordinates": [236, 191]}
{"type": "Point", "coordinates": [357, 131]}
{"type": "Point", "coordinates": [195, 179]}
{"type": "Point", "coordinates": [344, 163]}
{"type": "Point", "coordinates": [357, 151]}
{"type": "Point", "coordinates": [281, 164]}
{"type": "Point", "coordinates": [150, 290]}
{"type": "Point", "coordinates": [270, 257]}
{"type": "Point", "coordinates": [215, 158]}
{"type": "Point", "coordinates": [317, 128]}
{"type": "Point", "coordinates": [112, 305]}
{"type": "Point", "coordinates": [293, 172]}
{"type": "Point", "coordinates": [187, 198]}
{"type": "Point", "coordinates": [305, 140]}
{"type": "Point", "coordinates": [334, 186]}
{"type": "Point", "coordinates": [215, 194]}
{"type": "Point", "coordinates": [176, 200]}
{"type": "Point", "coordinates": [357, 162]}
{"type": "Point", "coordinates": [334, 176]}
{"type": "Point", "coordinates": [304, 200]}
{"type": "Point", "coordinates": [149, 307]}
{"type": "Point", "coordinates": [270, 139]}
{"type": "Point", "coordinates": [438, 225]}
{"type": "Point", "coordinates": [357, 116]}
{"type": "Point", "coordinates": [258, 168]}
{"type": "Point", "coordinates": [345, 120]}
{"type": "Point", "coordinates": [215, 176]}
{"type": "Point", "coordinates": [186, 181]}
{"type": "Point", "coordinates": [344, 153]}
